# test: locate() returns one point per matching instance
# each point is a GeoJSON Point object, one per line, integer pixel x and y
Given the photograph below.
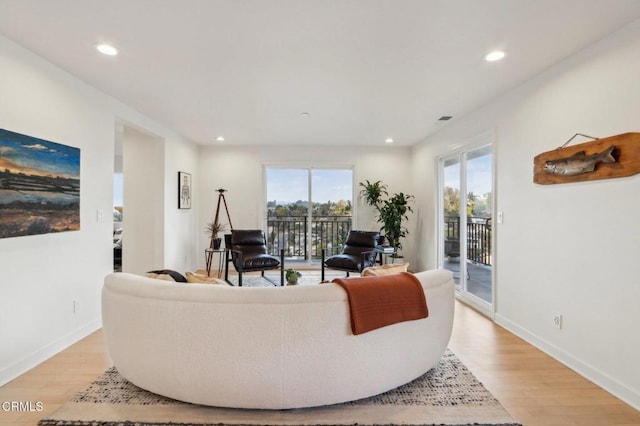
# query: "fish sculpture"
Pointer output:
{"type": "Point", "coordinates": [579, 163]}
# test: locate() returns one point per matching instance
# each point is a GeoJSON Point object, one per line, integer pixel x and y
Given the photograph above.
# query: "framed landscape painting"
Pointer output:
{"type": "Point", "coordinates": [39, 186]}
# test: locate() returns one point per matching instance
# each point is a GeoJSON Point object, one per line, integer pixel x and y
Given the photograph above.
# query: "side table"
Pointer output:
{"type": "Point", "coordinates": [383, 251]}
{"type": "Point", "coordinates": [208, 253]}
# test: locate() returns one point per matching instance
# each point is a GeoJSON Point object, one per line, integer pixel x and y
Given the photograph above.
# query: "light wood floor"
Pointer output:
{"type": "Point", "coordinates": [536, 389]}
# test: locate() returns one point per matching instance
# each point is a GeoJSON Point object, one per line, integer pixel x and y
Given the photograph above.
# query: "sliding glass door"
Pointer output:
{"type": "Point", "coordinates": [308, 210]}
{"type": "Point", "coordinates": [466, 222]}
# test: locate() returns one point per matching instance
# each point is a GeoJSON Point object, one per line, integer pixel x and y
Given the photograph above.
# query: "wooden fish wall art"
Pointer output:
{"type": "Point", "coordinates": [612, 157]}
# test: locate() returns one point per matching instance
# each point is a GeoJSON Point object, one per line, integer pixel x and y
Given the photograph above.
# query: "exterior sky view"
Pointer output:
{"type": "Point", "coordinates": [285, 186]}
{"type": "Point", "coordinates": [479, 176]}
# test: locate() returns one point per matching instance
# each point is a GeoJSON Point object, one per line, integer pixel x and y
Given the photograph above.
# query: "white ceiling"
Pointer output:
{"type": "Point", "coordinates": [364, 70]}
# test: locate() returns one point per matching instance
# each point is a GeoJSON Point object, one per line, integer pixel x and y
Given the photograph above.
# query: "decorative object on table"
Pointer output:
{"type": "Point", "coordinates": [184, 190]}
{"type": "Point", "coordinates": [213, 229]}
{"type": "Point", "coordinates": [611, 157]}
{"type": "Point", "coordinates": [292, 276]}
{"type": "Point", "coordinates": [391, 211]}
{"type": "Point", "coordinates": [39, 186]}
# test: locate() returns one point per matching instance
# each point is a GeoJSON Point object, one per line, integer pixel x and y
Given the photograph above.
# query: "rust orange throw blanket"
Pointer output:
{"type": "Point", "coordinates": [376, 302]}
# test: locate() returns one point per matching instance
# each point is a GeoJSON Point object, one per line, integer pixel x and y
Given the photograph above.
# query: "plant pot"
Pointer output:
{"type": "Point", "coordinates": [217, 243]}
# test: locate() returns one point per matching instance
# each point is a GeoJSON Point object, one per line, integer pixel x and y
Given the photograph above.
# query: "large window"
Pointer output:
{"type": "Point", "coordinates": [308, 209]}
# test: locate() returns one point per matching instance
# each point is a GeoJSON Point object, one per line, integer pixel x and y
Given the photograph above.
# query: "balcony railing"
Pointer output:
{"type": "Point", "coordinates": [478, 238]}
{"type": "Point", "coordinates": [292, 233]}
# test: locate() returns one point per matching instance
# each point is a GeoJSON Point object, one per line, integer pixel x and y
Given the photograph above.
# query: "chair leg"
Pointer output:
{"type": "Point", "coordinates": [281, 267]}
{"type": "Point", "coordinates": [322, 266]}
{"type": "Point", "coordinates": [240, 260]}
{"type": "Point", "coordinates": [226, 265]}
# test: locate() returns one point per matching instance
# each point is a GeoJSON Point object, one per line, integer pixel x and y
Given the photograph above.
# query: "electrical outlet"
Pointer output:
{"type": "Point", "coordinates": [500, 217]}
{"type": "Point", "coordinates": [76, 306]}
{"type": "Point", "coordinates": [557, 321]}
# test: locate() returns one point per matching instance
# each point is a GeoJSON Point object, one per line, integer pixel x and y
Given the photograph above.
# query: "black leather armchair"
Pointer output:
{"type": "Point", "coordinates": [358, 253]}
{"type": "Point", "coordinates": [248, 251]}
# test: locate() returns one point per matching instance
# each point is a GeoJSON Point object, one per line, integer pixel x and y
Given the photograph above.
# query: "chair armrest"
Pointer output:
{"type": "Point", "coordinates": [364, 256]}
{"type": "Point", "coordinates": [239, 254]}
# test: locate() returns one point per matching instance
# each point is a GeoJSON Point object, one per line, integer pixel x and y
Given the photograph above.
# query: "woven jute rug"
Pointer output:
{"type": "Point", "coordinates": [446, 395]}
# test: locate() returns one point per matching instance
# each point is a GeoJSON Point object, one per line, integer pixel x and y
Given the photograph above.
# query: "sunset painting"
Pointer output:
{"type": "Point", "coordinates": [39, 186]}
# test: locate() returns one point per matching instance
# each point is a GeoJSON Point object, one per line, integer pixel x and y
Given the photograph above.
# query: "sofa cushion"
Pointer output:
{"type": "Point", "coordinates": [344, 261]}
{"type": "Point", "coordinates": [363, 239]}
{"type": "Point", "coordinates": [248, 237]}
{"type": "Point", "coordinates": [259, 261]}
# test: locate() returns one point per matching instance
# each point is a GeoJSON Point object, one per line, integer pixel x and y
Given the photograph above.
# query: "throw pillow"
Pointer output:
{"type": "Point", "coordinates": [167, 275]}
{"type": "Point", "coordinates": [203, 279]}
{"type": "Point", "coordinates": [385, 269]}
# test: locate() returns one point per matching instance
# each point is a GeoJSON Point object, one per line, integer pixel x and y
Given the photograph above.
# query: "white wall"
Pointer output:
{"type": "Point", "coordinates": [570, 249]}
{"type": "Point", "coordinates": [42, 275]}
{"type": "Point", "coordinates": [143, 218]}
{"type": "Point", "coordinates": [240, 171]}
{"type": "Point", "coordinates": [180, 225]}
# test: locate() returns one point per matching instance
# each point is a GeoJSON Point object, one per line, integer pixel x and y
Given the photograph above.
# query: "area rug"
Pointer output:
{"type": "Point", "coordinates": [447, 395]}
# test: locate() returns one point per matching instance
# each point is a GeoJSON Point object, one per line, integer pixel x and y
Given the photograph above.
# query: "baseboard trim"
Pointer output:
{"type": "Point", "coordinates": [606, 382]}
{"type": "Point", "coordinates": [30, 361]}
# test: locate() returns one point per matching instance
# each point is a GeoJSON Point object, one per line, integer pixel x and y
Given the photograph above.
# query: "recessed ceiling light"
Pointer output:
{"type": "Point", "coordinates": [496, 55]}
{"type": "Point", "coordinates": [220, 138]}
{"type": "Point", "coordinates": [305, 114]}
{"type": "Point", "coordinates": [107, 49]}
{"type": "Point", "coordinates": [388, 140]}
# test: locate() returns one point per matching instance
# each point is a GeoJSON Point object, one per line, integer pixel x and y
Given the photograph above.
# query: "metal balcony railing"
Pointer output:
{"type": "Point", "coordinates": [302, 240]}
{"type": "Point", "coordinates": [478, 238]}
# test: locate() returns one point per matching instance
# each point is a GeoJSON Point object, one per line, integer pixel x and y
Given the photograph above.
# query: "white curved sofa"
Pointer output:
{"type": "Point", "coordinates": [265, 347]}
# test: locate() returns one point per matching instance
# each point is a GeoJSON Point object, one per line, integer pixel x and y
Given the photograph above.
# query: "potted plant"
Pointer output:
{"type": "Point", "coordinates": [372, 193]}
{"type": "Point", "coordinates": [392, 211]}
{"type": "Point", "coordinates": [292, 276]}
{"type": "Point", "coordinates": [213, 229]}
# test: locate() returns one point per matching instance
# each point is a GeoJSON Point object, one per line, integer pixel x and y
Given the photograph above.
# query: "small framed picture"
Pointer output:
{"type": "Point", "coordinates": [184, 190]}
